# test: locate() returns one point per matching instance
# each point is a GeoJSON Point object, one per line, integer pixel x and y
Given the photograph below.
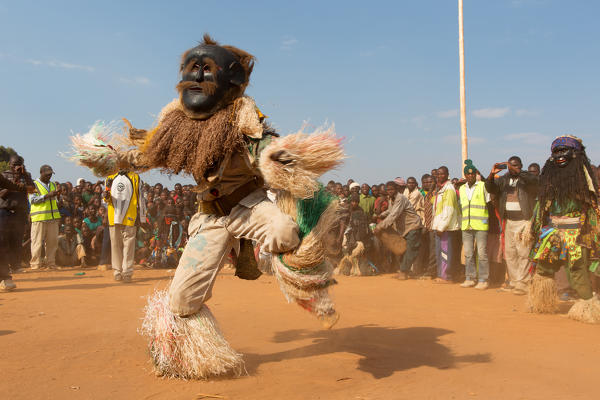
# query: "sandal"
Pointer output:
{"type": "Point", "coordinates": [506, 288]}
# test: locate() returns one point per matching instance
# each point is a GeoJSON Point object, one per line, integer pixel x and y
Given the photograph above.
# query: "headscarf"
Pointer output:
{"type": "Point", "coordinates": [567, 141]}
{"type": "Point", "coordinates": [469, 167]}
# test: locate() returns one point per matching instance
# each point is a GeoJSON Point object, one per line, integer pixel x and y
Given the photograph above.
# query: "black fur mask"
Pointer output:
{"type": "Point", "coordinates": [567, 180]}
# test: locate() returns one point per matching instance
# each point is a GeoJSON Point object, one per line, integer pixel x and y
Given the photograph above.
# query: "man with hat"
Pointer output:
{"type": "Point", "coordinates": [45, 220]}
{"type": "Point", "coordinates": [400, 184]}
{"type": "Point", "coordinates": [474, 225]}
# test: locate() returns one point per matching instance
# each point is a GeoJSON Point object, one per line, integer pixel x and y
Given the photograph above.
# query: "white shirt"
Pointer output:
{"type": "Point", "coordinates": [471, 189]}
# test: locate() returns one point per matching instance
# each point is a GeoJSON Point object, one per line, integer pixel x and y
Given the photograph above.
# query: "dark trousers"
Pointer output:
{"type": "Point", "coordinates": [413, 242]}
{"type": "Point", "coordinates": [427, 261]}
{"type": "Point", "coordinates": [105, 253]}
{"type": "Point", "coordinates": [12, 227]}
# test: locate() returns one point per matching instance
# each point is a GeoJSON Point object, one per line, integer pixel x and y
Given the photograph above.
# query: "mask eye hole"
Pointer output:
{"type": "Point", "coordinates": [560, 150]}
{"type": "Point", "coordinates": [206, 68]}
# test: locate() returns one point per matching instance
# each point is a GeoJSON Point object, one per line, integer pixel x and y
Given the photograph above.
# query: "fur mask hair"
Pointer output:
{"type": "Point", "coordinates": [246, 61]}
{"type": "Point", "coordinates": [568, 183]}
{"type": "Point", "coordinates": [193, 146]}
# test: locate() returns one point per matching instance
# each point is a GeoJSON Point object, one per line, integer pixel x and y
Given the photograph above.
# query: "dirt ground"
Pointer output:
{"type": "Point", "coordinates": [64, 336]}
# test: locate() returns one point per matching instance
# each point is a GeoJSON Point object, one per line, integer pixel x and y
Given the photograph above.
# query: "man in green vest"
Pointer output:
{"type": "Point", "coordinates": [45, 220]}
{"type": "Point", "coordinates": [474, 226]}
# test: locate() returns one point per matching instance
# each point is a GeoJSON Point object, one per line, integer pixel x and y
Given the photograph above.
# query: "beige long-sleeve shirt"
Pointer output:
{"type": "Point", "coordinates": [418, 202]}
{"type": "Point", "coordinates": [401, 215]}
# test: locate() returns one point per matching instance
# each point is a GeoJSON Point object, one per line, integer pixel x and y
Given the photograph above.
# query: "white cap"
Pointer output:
{"type": "Point", "coordinates": [354, 184]}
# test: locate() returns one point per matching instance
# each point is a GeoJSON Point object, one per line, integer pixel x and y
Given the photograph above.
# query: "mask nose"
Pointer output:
{"type": "Point", "coordinates": [199, 76]}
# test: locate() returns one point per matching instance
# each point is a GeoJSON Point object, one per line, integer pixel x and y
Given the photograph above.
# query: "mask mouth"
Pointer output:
{"type": "Point", "coordinates": [206, 87]}
{"type": "Point", "coordinates": [561, 161]}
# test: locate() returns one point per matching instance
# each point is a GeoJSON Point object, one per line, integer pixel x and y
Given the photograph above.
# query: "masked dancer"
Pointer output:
{"type": "Point", "coordinates": [216, 134]}
{"type": "Point", "coordinates": [565, 229]}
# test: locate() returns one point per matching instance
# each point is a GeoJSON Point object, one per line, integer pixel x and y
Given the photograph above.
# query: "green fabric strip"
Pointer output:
{"type": "Point", "coordinates": [309, 210]}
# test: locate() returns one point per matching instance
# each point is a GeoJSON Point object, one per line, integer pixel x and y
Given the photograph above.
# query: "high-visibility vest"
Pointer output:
{"type": "Point", "coordinates": [125, 198]}
{"type": "Point", "coordinates": [48, 210]}
{"type": "Point", "coordinates": [474, 211]}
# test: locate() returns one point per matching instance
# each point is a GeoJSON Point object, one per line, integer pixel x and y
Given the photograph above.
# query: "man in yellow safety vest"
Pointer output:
{"type": "Point", "coordinates": [474, 226]}
{"type": "Point", "coordinates": [45, 220]}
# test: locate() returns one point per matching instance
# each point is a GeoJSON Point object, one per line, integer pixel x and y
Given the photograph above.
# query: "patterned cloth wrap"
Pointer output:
{"type": "Point", "coordinates": [563, 235]}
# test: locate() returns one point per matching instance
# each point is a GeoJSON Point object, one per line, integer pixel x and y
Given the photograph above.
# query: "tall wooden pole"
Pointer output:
{"type": "Point", "coordinates": [463, 112]}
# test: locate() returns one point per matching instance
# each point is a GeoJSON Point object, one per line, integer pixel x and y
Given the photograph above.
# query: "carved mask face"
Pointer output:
{"type": "Point", "coordinates": [562, 155]}
{"type": "Point", "coordinates": [210, 78]}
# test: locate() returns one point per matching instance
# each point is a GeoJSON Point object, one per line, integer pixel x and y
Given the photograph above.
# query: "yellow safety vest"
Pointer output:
{"type": "Point", "coordinates": [475, 211]}
{"type": "Point", "coordinates": [48, 210]}
{"type": "Point", "coordinates": [131, 214]}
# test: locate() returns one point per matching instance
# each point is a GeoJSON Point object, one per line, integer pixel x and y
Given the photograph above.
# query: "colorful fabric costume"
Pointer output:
{"type": "Point", "coordinates": [566, 233]}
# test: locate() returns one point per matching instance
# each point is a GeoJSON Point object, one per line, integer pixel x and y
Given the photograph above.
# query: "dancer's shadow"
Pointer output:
{"type": "Point", "coordinates": [383, 350]}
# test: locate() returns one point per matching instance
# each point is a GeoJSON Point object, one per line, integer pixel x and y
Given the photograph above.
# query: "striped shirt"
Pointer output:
{"type": "Point", "coordinates": [513, 207]}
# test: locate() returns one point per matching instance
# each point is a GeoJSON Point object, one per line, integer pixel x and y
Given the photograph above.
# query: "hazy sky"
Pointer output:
{"type": "Point", "coordinates": [386, 73]}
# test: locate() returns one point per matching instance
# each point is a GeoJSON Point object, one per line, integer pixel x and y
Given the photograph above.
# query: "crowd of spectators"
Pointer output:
{"type": "Point", "coordinates": [427, 214]}
{"type": "Point", "coordinates": [440, 243]}
{"type": "Point", "coordinates": [84, 238]}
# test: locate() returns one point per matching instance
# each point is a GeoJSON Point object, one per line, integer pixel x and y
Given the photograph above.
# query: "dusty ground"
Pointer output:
{"type": "Point", "coordinates": [64, 336]}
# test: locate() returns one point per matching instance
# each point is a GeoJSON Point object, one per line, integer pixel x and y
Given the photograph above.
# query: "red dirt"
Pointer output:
{"type": "Point", "coordinates": [74, 337]}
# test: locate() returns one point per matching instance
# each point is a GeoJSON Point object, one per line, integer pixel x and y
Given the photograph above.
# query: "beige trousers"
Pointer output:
{"type": "Point", "coordinates": [516, 254]}
{"type": "Point", "coordinates": [212, 239]}
{"type": "Point", "coordinates": [122, 248]}
{"type": "Point", "coordinates": [44, 234]}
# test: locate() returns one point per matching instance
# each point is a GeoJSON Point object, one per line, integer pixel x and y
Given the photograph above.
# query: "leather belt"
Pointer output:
{"type": "Point", "coordinates": [223, 205]}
